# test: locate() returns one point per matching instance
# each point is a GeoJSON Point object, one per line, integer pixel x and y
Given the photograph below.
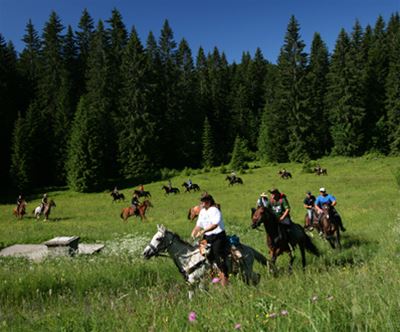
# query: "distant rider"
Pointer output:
{"type": "Point", "coordinates": [43, 203]}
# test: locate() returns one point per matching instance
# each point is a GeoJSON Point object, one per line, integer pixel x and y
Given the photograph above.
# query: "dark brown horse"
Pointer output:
{"type": "Point", "coordinates": [263, 215]}
{"type": "Point", "coordinates": [329, 227]}
{"type": "Point", "coordinates": [194, 187]}
{"type": "Point", "coordinates": [117, 196]}
{"type": "Point", "coordinates": [285, 174]}
{"type": "Point", "coordinates": [171, 190]}
{"type": "Point", "coordinates": [138, 211]}
{"type": "Point", "coordinates": [320, 171]}
{"type": "Point", "coordinates": [20, 210]}
{"type": "Point", "coordinates": [233, 179]}
{"type": "Point", "coordinates": [142, 193]}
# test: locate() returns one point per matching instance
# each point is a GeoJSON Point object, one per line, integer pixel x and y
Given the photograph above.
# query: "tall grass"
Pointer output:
{"type": "Point", "coordinates": [116, 290]}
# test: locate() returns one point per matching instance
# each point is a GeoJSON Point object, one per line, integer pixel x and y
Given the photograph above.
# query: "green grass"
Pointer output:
{"type": "Point", "coordinates": [351, 290]}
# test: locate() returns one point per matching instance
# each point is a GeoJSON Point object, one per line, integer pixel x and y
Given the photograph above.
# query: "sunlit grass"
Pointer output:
{"type": "Point", "coordinates": [355, 289]}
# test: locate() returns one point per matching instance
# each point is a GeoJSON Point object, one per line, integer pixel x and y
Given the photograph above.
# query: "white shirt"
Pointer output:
{"type": "Point", "coordinates": [212, 216]}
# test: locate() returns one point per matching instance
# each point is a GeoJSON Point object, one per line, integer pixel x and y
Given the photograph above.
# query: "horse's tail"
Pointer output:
{"type": "Point", "coordinates": [122, 214]}
{"type": "Point", "coordinates": [259, 256]}
{"type": "Point", "coordinates": [189, 214]}
{"type": "Point", "coordinates": [310, 246]}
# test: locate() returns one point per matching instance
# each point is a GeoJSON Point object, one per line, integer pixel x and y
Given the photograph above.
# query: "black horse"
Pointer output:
{"type": "Point", "coordinates": [142, 193]}
{"type": "Point", "coordinates": [117, 196]}
{"type": "Point", "coordinates": [171, 190]}
{"type": "Point", "coordinates": [194, 187]}
{"type": "Point", "coordinates": [233, 179]}
{"type": "Point", "coordinates": [263, 215]}
{"type": "Point", "coordinates": [285, 174]}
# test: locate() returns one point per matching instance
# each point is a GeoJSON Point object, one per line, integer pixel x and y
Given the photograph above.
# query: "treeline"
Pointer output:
{"type": "Point", "coordinates": [82, 106]}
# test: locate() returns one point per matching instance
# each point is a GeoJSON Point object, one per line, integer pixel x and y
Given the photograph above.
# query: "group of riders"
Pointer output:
{"type": "Point", "coordinates": [43, 203]}
{"type": "Point", "coordinates": [210, 225]}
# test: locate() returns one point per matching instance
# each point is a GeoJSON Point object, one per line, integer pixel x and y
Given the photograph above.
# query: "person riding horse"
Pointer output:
{"type": "Point", "coordinates": [281, 208]}
{"type": "Point", "coordinates": [210, 226]}
{"type": "Point", "coordinates": [20, 199]}
{"type": "Point", "coordinates": [309, 202]}
{"type": "Point", "coordinates": [262, 200]}
{"type": "Point", "coordinates": [135, 202]}
{"type": "Point", "coordinates": [325, 198]}
{"type": "Point", "coordinates": [115, 191]}
{"type": "Point", "coordinates": [43, 203]}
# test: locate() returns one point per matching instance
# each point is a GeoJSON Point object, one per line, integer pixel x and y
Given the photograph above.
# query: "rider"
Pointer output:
{"type": "Point", "coordinates": [233, 175]}
{"type": "Point", "coordinates": [189, 183]}
{"type": "Point", "coordinates": [169, 185]}
{"type": "Point", "coordinates": [141, 188]}
{"type": "Point", "coordinates": [309, 202]}
{"type": "Point", "coordinates": [210, 226]}
{"type": "Point", "coordinates": [43, 203]}
{"type": "Point", "coordinates": [325, 198]}
{"type": "Point", "coordinates": [135, 201]}
{"type": "Point", "coordinates": [115, 191]}
{"type": "Point", "coordinates": [281, 209]}
{"type": "Point", "coordinates": [20, 199]}
{"type": "Point", "coordinates": [262, 200]}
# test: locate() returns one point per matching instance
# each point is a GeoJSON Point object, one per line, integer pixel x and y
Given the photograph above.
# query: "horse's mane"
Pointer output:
{"type": "Point", "coordinates": [179, 239]}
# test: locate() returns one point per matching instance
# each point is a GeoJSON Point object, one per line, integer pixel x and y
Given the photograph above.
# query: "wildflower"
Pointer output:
{"type": "Point", "coordinates": [272, 315]}
{"type": "Point", "coordinates": [192, 316]}
{"type": "Point", "coordinates": [314, 298]}
{"type": "Point", "coordinates": [284, 313]}
{"type": "Point", "coordinates": [238, 326]}
{"type": "Point", "coordinates": [215, 280]}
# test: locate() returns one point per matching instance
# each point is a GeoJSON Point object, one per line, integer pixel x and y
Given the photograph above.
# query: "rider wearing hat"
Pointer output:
{"type": "Point", "coordinates": [210, 226]}
{"type": "Point", "coordinates": [325, 198]}
{"type": "Point", "coordinates": [262, 200]}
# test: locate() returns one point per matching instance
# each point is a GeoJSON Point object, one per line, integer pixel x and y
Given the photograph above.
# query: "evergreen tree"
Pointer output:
{"type": "Point", "coordinates": [239, 154]}
{"type": "Point", "coordinates": [393, 85]}
{"type": "Point", "coordinates": [137, 138]}
{"type": "Point", "coordinates": [8, 104]}
{"type": "Point", "coordinates": [376, 73]}
{"type": "Point", "coordinates": [168, 83]}
{"type": "Point", "coordinates": [20, 163]}
{"type": "Point", "coordinates": [86, 166]}
{"type": "Point", "coordinates": [208, 145]}
{"type": "Point", "coordinates": [83, 39]}
{"type": "Point", "coordinates": [291, 109]}
{"type": "Point", "coordinates": [345, 92]}
{"type": "Point", "coordinates": [318, 138]}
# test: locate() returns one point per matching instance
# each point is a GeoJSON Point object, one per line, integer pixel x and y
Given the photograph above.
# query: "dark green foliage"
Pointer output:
{"type": "Point", "coordinates": [20, 170]}
{"type": "Point", "coordinates": [208, 145]}
{"type": "Point", "coordinates": [317, 138]}
{"type": "Point", "coordinates": [137, 136]}
{"type": "Point", "coordinates": [8, 103]}
{"type": "Point", "coordinates": [239, 154]}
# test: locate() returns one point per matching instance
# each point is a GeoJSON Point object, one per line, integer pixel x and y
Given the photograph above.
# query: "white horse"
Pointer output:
{"type": "Point", "coordinates": [46, 210]}
{"type": "Point", "coordinates": [195, 268]}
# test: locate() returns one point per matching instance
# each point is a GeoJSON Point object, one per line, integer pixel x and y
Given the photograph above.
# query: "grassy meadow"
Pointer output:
{"type": "Point", "coordinates": [355, 289]}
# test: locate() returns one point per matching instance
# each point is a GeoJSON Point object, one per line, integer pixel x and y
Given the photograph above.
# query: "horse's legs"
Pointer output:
{"type": "Point", "coordinates": [303, 255]}
{"type": "Point", "coordinates": [291, 261]}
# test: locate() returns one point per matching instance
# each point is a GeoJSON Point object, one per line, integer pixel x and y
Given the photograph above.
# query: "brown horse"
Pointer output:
{"type": "Point", "coordinates": [139, 211]}
{"type": "Point", "coordinates": [263, 215]}
{"type": "Point", "coordinates": [329, 227]}
{"type": "Point", "coordinates": [194, 212]}
{"type": "Point", "coordinates": [20, 210]}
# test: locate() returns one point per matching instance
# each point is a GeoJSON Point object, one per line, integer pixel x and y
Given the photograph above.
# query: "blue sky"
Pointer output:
{"type": "Point", "coordinates": [233, 26]}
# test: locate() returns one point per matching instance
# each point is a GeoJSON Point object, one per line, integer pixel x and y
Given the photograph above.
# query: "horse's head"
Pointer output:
{"type": "Point", "coordinates": [257, 216]}
{"type": "Point", "coordinates": [159, 243]}
{"type": "Point", "coordinates": [52, 203]}
{"type": "Point", "coordinates": [147, 203]}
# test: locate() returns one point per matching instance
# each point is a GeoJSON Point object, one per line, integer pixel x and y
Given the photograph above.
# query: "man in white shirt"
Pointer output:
{"type": "Point", "coordinates": [210, 225]}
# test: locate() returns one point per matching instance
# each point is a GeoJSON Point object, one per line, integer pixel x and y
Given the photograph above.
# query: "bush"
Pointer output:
{"type": "Point", "coordinates": [222, 169]}
{"type": "Point", "coordinates": [167, 173]}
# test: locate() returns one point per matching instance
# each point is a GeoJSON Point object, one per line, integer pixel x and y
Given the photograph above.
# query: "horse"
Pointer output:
{"type": "Point", "coordinates": [329, 227]}
{"type": "Point", "coordinates": [320, 171]}
{"type": "Point", "coordinates": [233, 179]}
{"type": "Point", "coordinates": [285, 174]}
{"type": "Point", "coordinates": [139, 211]}
{"type": "Point", "coordinates": [169, 190]}
{"type": "Point", "coordinates": [194, 266]}
{"type": "Point", "coordinates": [194, 212]}
{"type": "Point", "coordinates": [142, 193]}
{"type": "Point", "coordinates": [263, 215]}
{"type": "Point", "coordinates": [46, 211]}
{"type": "Point", "coordinates": [194, 187]}
{"type": "Point", "coordinates": [20, 210]}
{"type": "Point", "coordinates": [117, 197]}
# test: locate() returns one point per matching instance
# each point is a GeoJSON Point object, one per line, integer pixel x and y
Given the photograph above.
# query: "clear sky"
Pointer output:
{"type": "Point", "coordinates": [233, 26]}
